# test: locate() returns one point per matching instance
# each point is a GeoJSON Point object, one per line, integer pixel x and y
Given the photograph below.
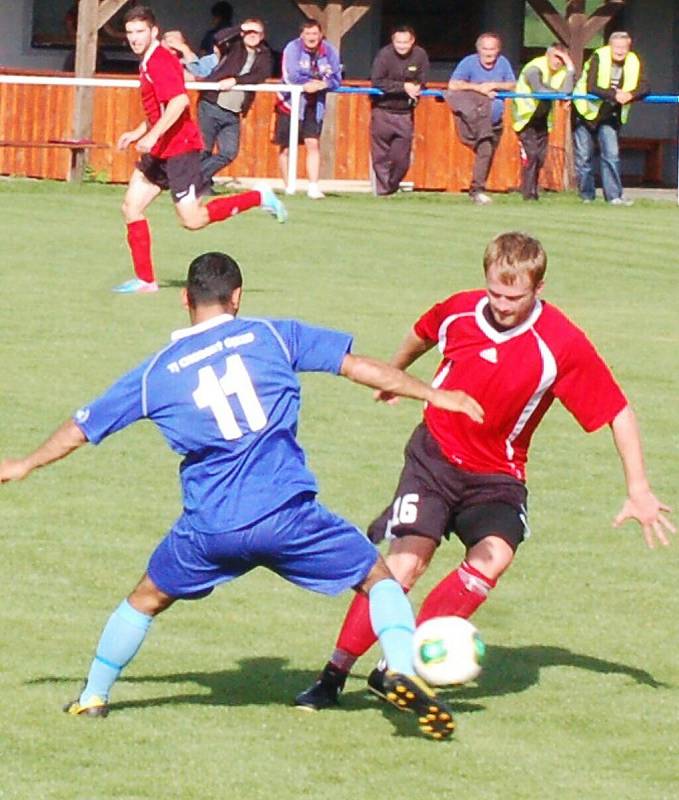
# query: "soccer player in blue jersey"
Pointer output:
{"type": "Point", "coordinates": [225, 395]}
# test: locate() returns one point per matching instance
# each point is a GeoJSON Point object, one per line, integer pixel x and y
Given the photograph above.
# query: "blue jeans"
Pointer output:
{"type": "Point", "coordinates": [609, 156]}
{"type": "Point", "coordinates": [220, 126]}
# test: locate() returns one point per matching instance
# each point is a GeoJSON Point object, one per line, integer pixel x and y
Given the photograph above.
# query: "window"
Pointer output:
{"type": "Point", "coordinates": [446, 29]}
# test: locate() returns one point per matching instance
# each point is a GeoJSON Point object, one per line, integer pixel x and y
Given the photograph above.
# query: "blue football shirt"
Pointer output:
{"type": "Point", "coordinates": [225, 395]}
{"type": "Point", "coordinates": [471, 70]}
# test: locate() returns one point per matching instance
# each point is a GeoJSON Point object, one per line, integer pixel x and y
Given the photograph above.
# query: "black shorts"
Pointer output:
{"type": "Point", "coordinates": [180, 174]}
{"type": "Point", "coordinates": [309, 128]}
{"type": "Point", "coordinates": [434, 498]}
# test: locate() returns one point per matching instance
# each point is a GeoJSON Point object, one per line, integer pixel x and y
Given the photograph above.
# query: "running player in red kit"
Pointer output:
{"type": "Point", "coordinates": [514, 354]}
{"type": "Point", "coordinates": [170, 145]}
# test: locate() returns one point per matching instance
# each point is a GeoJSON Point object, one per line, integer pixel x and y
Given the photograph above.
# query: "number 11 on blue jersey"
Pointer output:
{"type": "Point", "coordinates": [214, 393]}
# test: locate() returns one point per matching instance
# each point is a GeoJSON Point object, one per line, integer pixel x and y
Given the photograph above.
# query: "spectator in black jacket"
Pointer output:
{"type": "Point", "coordinates": [400, 70]}
{"type": "Point", "coordinates": [241, 57]}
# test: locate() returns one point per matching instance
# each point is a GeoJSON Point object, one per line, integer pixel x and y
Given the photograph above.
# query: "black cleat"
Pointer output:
{"type": "Point", "coordinates": [410, 693]}
{"type": "Point", "coordinates": [376, 683]}
{"type": "Point", "coordinates": [325, 692]}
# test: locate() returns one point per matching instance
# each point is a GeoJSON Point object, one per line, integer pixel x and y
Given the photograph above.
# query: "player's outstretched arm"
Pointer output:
{"type": "Point", "coordinates": [386, 378]}
{"type": "Point", "coordinates": [410, 349]}
{"type": "Point", "coordinates": [67, 438]}
{"type": "Point", "coordinates": [641, 504]}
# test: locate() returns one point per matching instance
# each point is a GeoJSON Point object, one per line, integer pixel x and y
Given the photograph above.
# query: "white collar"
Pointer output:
{"type": "Point", "coordinates": [503, 336]}
{"type": "Point", "coordinates": [201, 327]}
{"type": "Point", "coordinates": [152, 49]}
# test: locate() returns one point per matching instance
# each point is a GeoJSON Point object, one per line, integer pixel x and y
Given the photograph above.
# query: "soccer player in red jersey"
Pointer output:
{"type": "Point", "coordinates": [170, 145]}
{"type": "Point", "coordinates": [514, 354]}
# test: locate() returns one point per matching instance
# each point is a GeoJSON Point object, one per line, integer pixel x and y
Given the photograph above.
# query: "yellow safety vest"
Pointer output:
{"type": "Point", "coordinates": [523, 108]}
{"type": "Point", "coordinates": [589, 109]}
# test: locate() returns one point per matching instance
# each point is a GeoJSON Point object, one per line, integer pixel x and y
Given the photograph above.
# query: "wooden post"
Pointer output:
{"type": "Point", "coordinates": [333, 33]}
{"type": "Point", "coordinates": [85, 62]}
{"type": "Point", "coordinates": [92, 15]}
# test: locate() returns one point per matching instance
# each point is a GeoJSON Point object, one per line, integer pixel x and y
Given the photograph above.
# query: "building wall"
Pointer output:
{"type": "Point", "coordinates": [654, 39]}
{"type": "Point", "coordinates": [281, 16]}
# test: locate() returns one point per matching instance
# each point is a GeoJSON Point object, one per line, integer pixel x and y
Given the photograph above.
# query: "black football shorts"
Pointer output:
{"type": "Point", "coordinates": [309, 127]}
{"type": "Point", "coordinates": [434, 498]}
{"type": "Point", "coordinates": [180, 174]}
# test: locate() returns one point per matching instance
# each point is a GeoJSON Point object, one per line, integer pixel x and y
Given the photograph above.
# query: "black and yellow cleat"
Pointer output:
{"type": "Point", "coordinates": [410, 693]}
{"type": "Point", "coordinates": [94, 707]}
{"type": "Point", "coordinates": [325, 692]}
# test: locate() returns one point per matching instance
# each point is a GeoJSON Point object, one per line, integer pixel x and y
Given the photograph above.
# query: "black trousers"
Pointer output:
{"type": "Point", "coordinates": [534, 139]}
{"type": "Point", "coordinates": [391, 140]}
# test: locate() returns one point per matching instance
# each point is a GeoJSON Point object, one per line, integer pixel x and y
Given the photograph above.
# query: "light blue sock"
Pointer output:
{"type": "Point", "coordinates": [122, 636]}
{"type": "Point", "coordinates": [392, 619]}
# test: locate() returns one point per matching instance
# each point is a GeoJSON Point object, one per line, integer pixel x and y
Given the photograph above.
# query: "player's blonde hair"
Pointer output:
{"type": "Point", "coordinates": [513, 254]}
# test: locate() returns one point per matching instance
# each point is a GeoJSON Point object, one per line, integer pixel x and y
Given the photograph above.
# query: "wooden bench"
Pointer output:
{"type": "Point", "coordinates": [76, 146]}
{"type": "Point", "coordinates": [653, 156]}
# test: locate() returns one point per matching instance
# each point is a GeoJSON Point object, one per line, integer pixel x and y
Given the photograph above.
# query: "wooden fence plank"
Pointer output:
{"type": "Point", "coordinates": [440, 160]}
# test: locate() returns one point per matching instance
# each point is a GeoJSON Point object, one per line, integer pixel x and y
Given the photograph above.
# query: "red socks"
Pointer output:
{"type": "Point", "coordinates": [225, 207]}
{"type": "Point", "coordinates": [357, 636]}
{"type": "Point", "coordinates": [139, 240]}
{"type": "Point", "coordinates": [459, 594]}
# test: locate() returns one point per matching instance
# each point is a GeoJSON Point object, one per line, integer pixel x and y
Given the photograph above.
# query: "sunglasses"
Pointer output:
{"type": "Point", "coordinates": [252, 30]}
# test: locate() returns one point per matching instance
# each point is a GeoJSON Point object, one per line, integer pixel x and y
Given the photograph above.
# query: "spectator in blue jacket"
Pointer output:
{"type": "Point", "coordinates": [485, 72]}
{"type": "Point", "coordinates": [312, 62]}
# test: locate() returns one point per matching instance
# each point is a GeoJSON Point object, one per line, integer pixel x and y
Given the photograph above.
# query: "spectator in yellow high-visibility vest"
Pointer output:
{"type": "Point", "coordinates": [614, 74]}
{"type": "Point", "coordinates": [533, 117]}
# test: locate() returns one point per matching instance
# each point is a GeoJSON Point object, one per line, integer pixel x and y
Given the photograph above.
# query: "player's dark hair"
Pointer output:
{"type": "Point", "coordinates": [212, 278]}
{"type": "Point", "coordinates": [142, 13]}
{"type": "Point", "coordinates": [513, 254]}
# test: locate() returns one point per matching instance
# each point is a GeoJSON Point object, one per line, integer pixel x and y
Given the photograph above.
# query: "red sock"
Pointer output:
{"type": "Point", "coordinates": [225, 207]}
{"type": "Point", "coordinates": [357, 635]}
{"type": "Point", "coordinates": [459, 594]}
{"type": "Point", "coordinates": [139, 240]}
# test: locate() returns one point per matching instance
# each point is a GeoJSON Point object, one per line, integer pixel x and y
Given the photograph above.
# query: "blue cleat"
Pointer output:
{"type": "Point", "coordinates": [136, 286]}
{"type": "Point", "coordinates": [271, 203]}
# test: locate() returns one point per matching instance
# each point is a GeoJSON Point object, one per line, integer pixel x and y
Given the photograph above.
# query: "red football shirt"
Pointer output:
{"type": "Point", "coordinates": [161, 78]}
{"type": "Point", "coordinates": [515, 375]}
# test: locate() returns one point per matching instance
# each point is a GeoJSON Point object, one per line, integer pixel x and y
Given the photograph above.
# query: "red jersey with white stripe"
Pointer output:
{"type": "Point", "coordinates": [161, 78]}
{"type": "Point", "coordinates": [515, 375]}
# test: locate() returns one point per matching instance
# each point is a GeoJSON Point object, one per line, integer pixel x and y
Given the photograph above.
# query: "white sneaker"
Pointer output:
{"type": "Point", "coordinates": [621, 201]}
{"type": "Point", "coordinates": [480, 198]}
{"type": "Point", "coordinates": [314, 192]}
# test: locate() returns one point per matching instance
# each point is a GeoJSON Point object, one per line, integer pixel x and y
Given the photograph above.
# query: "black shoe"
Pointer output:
{"type": "Point", "coordinates": [325, 692]}
{"type": "Point", "coordinates": [410, 693]}
{"type": "Point", "coordinates": [376, 683]}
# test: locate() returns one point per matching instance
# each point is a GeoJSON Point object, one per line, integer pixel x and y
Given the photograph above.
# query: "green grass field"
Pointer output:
{"type": "Point", "coordinates": [580, 695]}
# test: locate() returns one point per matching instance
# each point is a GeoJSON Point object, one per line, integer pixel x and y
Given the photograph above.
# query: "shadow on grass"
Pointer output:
{"type": "Point", "coordinates": [269, 681]}
{"type": "Point", "coordinates": [510, 670]}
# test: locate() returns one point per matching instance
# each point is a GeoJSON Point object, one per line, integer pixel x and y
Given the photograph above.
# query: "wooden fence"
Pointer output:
{"type": "Point", "coordinates": [38, 114]}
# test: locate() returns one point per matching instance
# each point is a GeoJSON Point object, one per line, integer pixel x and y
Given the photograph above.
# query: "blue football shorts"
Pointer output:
{"type": "Point", "coordinates": [302, 542]}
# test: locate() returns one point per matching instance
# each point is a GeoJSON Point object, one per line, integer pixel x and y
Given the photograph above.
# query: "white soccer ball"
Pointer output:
{"type": "Point", "coordinates": [448, 651]}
